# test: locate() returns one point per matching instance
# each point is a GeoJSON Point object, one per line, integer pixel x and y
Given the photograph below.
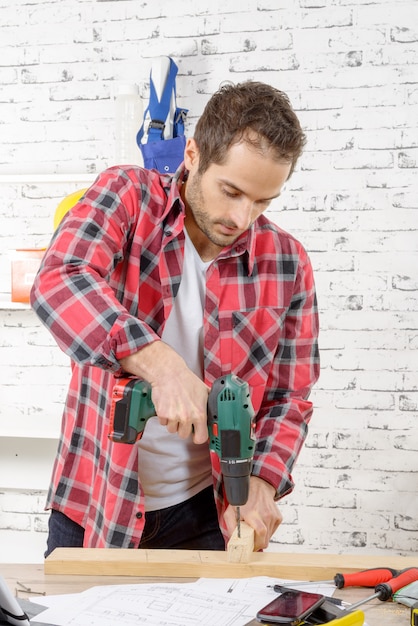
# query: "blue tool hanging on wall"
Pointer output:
{"type": "Point", "coordinates": [161, 137]}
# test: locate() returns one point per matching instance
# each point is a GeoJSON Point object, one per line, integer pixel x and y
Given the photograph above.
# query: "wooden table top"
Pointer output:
{"type": "Point", "coordinates": [26, 580]}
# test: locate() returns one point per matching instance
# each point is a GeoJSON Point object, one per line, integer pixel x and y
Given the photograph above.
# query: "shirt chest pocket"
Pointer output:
{"type": "Point", "coordinates": [255, 337]}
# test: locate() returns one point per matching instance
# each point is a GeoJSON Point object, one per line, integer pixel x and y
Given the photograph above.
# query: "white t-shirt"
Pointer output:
{"type": "Point", "coordinates": [172, 469]}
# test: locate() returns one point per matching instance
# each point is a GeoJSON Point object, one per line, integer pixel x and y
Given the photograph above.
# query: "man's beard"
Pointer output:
{"type": "Point", "coordinates": [196, 205]}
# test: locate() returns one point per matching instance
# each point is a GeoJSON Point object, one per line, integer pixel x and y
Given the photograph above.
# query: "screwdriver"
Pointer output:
{"type": "Point", "coordinates": [384, 591]}
{"type": "Point", "coordinates": [365, 578]}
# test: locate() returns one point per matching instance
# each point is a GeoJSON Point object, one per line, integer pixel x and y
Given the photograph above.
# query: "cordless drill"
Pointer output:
{"type": "Point", "coordinates": [230, 427]}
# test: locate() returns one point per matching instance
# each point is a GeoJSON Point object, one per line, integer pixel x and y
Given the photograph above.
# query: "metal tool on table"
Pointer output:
{"type": "Point", "coordinates": [282, 588]}
{"type": "Point", "coordinates": [230, 428]}
{"type": "Point", "coordinates": [364, 578]}
{"type": "Point", "coordinates": [384, 591]}
{"type": "Point", "coordinates": [386, 581]}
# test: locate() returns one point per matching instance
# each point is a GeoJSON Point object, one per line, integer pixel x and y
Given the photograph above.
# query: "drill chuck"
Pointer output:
{"type": "Point", "coordinates": [236, 475]}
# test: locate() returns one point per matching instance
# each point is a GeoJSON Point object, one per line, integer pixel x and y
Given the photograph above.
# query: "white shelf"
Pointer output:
{"type": "Point", "coordinates": [25, 464]}
{"type": "Point", "coordinates": [47, 178]}
{"type": "Point", "coordinates": [46, 426]}
{"type": "Point", "coordinates": [8, 305]}
{"type": "Point", "coordinates": [44, 435]}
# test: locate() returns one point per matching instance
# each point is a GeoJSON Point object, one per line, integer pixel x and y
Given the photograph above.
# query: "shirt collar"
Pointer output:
{"type": "Point", "coordinates": [174, 212]}
{"type": "Point", "coordinates": [245, 244]}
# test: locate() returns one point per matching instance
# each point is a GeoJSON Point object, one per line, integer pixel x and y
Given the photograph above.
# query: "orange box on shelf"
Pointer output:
{"type": "Point", "coordinates": [25, 264]}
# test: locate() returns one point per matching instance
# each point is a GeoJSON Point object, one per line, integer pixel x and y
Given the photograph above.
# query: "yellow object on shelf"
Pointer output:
{"type": "Point", "coordinates": [66, 204]}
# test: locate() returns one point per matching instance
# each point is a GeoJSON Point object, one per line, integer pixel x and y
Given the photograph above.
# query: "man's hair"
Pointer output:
{"type": "Point", "coordinates": [253, 112]}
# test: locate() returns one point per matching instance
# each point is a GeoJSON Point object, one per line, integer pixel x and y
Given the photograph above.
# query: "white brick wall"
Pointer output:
{"type": "Point", "coordinates": [350, 69]}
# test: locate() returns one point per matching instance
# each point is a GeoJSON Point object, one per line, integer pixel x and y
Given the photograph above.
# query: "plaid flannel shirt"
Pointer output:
{"type": "Point", "coordinates": [104, 290]}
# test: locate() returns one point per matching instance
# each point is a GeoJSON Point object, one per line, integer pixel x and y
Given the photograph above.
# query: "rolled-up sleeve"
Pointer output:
{"type": "Point", "coordinates": [81, 293]}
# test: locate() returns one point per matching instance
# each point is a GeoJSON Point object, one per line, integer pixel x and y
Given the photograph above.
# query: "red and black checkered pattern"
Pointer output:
{"type": "Point", "coordinates": [104, 290]}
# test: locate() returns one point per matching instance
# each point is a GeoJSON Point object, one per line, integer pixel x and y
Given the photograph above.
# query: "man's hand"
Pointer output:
{"type": "Point", "coordinates": [260, 512]}
{"type": "Point", "coordinates": [179, 396]}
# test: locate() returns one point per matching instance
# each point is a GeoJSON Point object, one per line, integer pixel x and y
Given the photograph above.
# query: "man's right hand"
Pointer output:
{"type": "Point", "coordinates": [179, 396]}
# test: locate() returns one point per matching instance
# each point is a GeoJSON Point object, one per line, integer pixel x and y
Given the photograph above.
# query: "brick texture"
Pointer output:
{"type": "Point", "coordinates": [350, 70]}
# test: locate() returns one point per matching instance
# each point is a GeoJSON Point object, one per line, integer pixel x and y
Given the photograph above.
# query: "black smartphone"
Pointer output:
{"type": "Point", "coordinates": [290, 607]}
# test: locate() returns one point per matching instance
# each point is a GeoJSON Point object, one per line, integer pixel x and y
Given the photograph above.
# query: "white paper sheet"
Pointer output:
{"type": "Point", "coordinates": [208, 601]}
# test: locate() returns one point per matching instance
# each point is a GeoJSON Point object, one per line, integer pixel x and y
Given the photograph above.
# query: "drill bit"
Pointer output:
{"type": "Point", "coordinates": [238, 518]}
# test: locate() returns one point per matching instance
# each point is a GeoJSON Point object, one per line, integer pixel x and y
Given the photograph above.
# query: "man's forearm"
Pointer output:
{"type": "Point", "coordinates": [179, 396]}
{"type": "Point", "coordinates": [153, 362]}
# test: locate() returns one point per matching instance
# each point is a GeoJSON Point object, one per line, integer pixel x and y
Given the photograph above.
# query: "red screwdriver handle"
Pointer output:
{"type": "Point", "coordinates": [387, 589]}
{"type": "Point", "coordinates": [365, 578]}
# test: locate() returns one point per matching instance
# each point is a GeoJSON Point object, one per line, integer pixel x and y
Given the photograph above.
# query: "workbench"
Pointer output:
{"type": "Point", "coordinates": [34, 578]}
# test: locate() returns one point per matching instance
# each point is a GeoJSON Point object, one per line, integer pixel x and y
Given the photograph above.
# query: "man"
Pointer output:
{"type": "Point", "coordinates": [179, 280]}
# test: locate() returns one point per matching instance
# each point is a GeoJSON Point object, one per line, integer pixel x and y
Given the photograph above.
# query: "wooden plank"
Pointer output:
{"type": "Point", "coordinates": [211, 564]}
{"type": "Point", "coordinates": [240, 549]}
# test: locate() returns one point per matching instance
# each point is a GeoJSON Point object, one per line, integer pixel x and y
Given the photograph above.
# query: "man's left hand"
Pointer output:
{"type": "Point", "coordinates": [260, 512]}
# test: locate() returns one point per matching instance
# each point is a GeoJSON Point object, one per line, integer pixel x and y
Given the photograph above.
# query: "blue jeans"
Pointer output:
{"type": "Point", "coordinates": [190, 525]}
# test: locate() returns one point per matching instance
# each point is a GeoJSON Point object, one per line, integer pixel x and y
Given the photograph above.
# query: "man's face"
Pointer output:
{"type": "Point", "coordinates": [225, 200]}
